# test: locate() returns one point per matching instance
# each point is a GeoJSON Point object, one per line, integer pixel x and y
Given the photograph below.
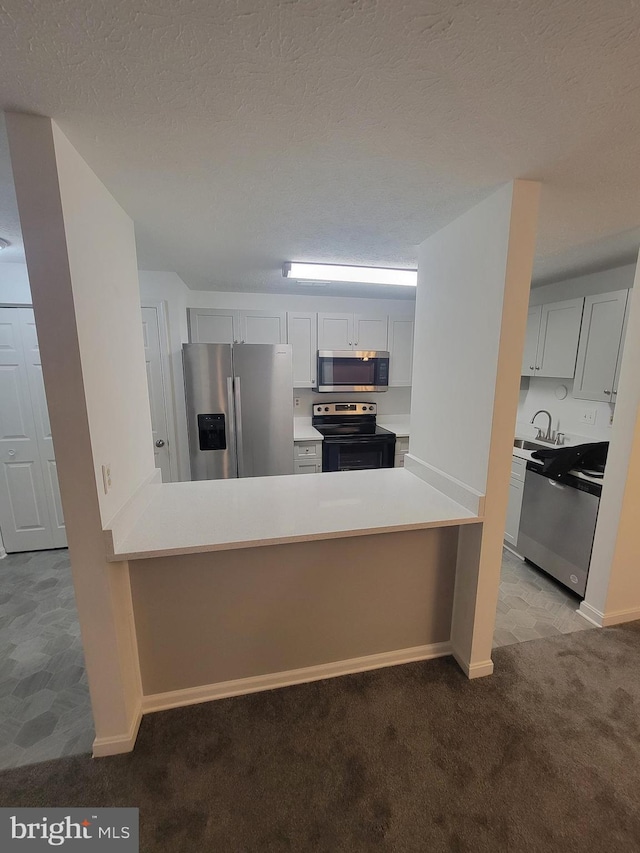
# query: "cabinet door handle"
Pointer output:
{"type": "Point", "coordinates": [531, 367]}
{"type": "Point", "coordinates": [606, 391]}
{"type": "Point", "coordinates": [614, 391]}
{"type": "Point", "coordinates": [537, 367]}
{"type": "Point", "coordinates": [350, 344]}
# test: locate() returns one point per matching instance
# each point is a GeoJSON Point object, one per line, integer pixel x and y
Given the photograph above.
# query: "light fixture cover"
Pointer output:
{"type": "Point", "coordinates": [342, 273]}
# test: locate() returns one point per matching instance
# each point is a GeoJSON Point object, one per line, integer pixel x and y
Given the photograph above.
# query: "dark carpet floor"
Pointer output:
{"type": "Point", "coordinates": [543, 756]}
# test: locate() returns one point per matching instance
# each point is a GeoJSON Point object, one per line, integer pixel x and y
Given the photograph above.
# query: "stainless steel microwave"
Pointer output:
{"type": "Point", "coordinates": [353, 370]}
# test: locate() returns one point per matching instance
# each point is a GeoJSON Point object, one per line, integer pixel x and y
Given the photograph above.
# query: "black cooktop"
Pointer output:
{"type": "Point", "coordinates": [366, 428]}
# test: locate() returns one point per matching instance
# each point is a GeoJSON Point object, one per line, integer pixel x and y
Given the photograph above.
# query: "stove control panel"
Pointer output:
{"type": "Point", "coordinates": [345, 409]}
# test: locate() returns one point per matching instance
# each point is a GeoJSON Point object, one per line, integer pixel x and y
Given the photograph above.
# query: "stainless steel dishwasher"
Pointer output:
{"type": "Point", "coordinates": [557, 525]}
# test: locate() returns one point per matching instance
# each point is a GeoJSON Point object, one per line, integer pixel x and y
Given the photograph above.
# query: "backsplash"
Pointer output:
{"type": "Point", "coordinates": [395, 401]}
{"type": "Point", "coordinates": [567, 414]}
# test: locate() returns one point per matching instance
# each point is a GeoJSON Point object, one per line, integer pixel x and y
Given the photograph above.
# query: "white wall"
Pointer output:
{"type": "Point", "coordinates": [109, 321]}
{"type": "Point", "coordinates": [471, 307]}
{"type": "Point", "coordinates": [394, 401]}
{"type": "Point", "coordinates": [299, 302]}
{"type": "Point", "coordinates": [14, 285]}
{"type": "Point", "coordinates": [566, 414]}
{"type": "Point", "coordinates": [461, 273]}
{"type": "Point", "coordinates": [606, 281]}
{"type": "Point", "coordinates": [81, 260]}
{"type": "Point", "coordinates": [537, 393]}
{"type": "Point", "coordinates": [613, 587]}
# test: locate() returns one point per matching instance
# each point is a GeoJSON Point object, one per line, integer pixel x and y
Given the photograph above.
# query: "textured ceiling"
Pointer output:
{"type": "Point", "coordinates": [242, 133]}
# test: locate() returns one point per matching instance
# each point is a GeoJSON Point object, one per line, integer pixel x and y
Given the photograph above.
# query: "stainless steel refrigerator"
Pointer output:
{"type": "Point", "coordinates": [239, 409]}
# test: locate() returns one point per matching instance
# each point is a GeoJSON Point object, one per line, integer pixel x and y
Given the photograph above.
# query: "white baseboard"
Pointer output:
{"type": "Point", "coordinates": [242, 686]}
{"type": "Point", "coordinates": [590, 614]}
{"type": "Point", "coordinates": [3, 553]}
{"type": "Point", "coordinates": [116, 744]}
{"type": "Point", "coordinates": [473, 670]}
{"type": "Point", "coordinates": [605, 620]}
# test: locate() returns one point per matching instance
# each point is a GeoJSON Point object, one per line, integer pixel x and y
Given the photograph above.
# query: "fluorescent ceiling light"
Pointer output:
{"type": "Point", "coordinates": [359, 275]}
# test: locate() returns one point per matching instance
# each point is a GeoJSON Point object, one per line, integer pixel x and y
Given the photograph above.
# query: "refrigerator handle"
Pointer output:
{"type": "Point", "coordinates": [238, 419]}
{"type": "Point", "coordinates": [231, 430]}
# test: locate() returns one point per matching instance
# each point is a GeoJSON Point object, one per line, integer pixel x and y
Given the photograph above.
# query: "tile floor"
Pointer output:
{"type": "Point", "coordinates": [531, 605]}
{"type": "Point", "coordinates": [44, 697]}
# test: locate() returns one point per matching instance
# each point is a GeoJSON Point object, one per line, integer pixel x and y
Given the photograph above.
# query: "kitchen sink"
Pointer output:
{"type": "Point", "coordinates": [524, 444]}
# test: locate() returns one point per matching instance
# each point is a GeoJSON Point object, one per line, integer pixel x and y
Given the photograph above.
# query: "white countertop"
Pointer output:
{"type": "Point", "coordinates": [395, 423]}
{"type": "Point", "coordinates": [216, 515]}
{"type": "Point", "coordinates": [303, 431]}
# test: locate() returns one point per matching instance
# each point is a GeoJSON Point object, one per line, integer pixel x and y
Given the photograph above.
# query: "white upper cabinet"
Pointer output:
{"type": "Point", "coordinates": [213, 326]}
{"type": "Point", "coordinates": [335, 331]}
{"type": "Point", "coordinates": [352, 332]}
{"type": "Point", "coordinates": [600, 346]}
{"type": "Point", "coordinates": [400, 351]}
{"type": "Point", "coordinates": [370, 333]}
{"type": "Point", "coordinates": [616, 379]}
{"type": "Point", "coordinates": [558, 338]}
{"type": "Point", "coordinates": [263, 327]}
{"type": "Point", "coordinates": [551, 342]}
{"type": "Point", "coordinates": [231, 326]}
{"type": "Point", "coordinates": [302, 335]}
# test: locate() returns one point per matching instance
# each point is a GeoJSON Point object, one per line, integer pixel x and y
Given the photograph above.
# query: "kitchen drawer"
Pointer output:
{"type": "Point", "coordinates": [305, 466]}
{"type": "Point", "coordinates": [306, 449]}
{"type": "Point", "coordinates": [518, 468]}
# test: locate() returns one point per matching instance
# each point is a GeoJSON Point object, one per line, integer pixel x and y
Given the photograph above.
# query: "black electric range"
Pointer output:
{"type": "Point", "coordinates": [352, 441]}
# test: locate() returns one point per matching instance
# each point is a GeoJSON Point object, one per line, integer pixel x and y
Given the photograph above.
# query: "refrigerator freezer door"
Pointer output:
{"type": "Point", "coordinates": [264, 408]}
{"type": "Point", "coordinates": [208, 379]}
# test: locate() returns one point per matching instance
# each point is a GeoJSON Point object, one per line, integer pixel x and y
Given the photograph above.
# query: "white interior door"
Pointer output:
{"type": "Point", "coordinates": [42, 425]}
{"type": "Point", "coordinates": [157, 391]}
{"type": "Point", "coordinates": [27, 505]}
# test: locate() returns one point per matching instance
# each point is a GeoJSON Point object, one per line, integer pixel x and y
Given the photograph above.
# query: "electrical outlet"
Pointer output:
{"type": "Point", "coordinates": [296, 402]}
{"type": "Point", "coordinates": [106, 478]}
{"type": "Point", "coordinates": [588, 416]}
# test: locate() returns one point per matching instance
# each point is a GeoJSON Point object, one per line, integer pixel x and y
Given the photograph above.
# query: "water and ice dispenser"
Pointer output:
{"type": "Point", "coordinates": [212, 432]}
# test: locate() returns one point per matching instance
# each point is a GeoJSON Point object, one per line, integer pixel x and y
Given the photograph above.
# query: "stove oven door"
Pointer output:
{"type": "Point", "coordinates": [357, 453]}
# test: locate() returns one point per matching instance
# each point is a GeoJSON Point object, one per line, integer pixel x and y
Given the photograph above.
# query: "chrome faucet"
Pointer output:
{"type": "Point", "coordinates": [548, 436]}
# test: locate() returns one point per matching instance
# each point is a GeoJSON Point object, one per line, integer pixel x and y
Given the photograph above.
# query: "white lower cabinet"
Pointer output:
{"type": "Point", "coordinates": [514, 507]}
{"type": "Point", "coordinates": [307, 457]}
